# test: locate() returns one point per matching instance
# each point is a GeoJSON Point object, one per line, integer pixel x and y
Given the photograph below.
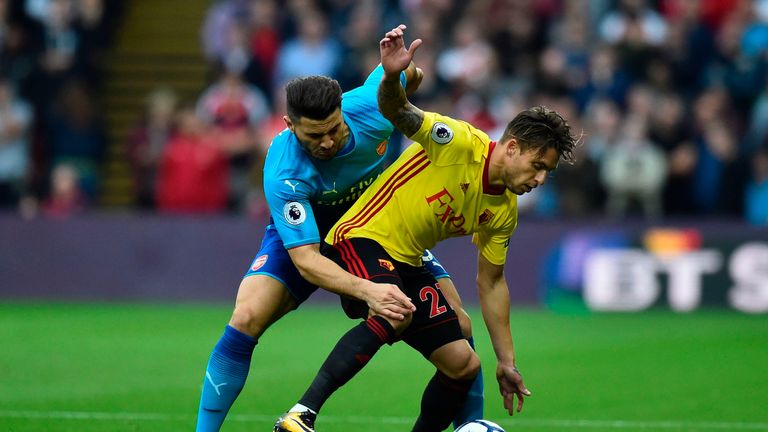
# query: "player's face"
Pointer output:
{"type": "Point", "coordinates": [322, 139]}
{"type": "Point", "coordinates": [527, 170]}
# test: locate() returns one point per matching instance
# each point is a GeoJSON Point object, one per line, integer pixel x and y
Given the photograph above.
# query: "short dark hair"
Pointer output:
{"type": "Point", "coordinates": [540, 128]}
{"type": "Point", "coordinates": [315, 97]}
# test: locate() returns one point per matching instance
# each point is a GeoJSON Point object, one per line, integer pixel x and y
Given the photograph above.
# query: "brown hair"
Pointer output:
{"type": "Point", "coordinates": [314, 97]}
{"type": "Point", "coordinates": [540, 128]}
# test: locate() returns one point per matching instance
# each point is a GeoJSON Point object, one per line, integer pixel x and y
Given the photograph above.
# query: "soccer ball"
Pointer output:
{"type": "Point", "coordinates": [479, 426]}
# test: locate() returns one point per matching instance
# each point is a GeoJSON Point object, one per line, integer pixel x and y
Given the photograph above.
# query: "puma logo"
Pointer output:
{"type": "Point", "coordinates": [330, 191]}
{"type": "Point", "coordinates": [215, 386]}
{"type": "Point", "coordinates": [293, 186]}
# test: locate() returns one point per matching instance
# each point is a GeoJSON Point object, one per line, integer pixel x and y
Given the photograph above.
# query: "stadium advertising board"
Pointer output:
{"type": "Point", "coordinates": [682, 269]}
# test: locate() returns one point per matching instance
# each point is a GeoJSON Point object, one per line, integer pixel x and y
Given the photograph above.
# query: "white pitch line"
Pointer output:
{"type": "Point", "coordinates": [331, 419]}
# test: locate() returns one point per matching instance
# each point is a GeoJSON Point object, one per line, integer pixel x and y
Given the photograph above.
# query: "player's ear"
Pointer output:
{"type": "Point", "coordinates": [289, 123]}
{"type": "Point", "coordinates": [511, 146]}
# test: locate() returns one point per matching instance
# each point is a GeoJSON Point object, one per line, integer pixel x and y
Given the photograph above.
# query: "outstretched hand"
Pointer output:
{"type": "Point", "coordinates": [394, 57]}
{"type": "Point", "coordinates": [387, 300]}
{"type": "Point", "coordinates": [511, 385]}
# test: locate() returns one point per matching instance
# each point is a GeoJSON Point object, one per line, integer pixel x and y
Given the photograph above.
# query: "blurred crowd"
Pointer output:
{"type": "Point", "coordinates": [670, 97]}
{"type": "Point", "coordinates": [52, 138]}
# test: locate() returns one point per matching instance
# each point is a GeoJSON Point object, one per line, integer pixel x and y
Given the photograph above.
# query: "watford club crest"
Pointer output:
{"type": "Point", "coordinates": [386, 264]}
{"type": "Point", "coordinates": [485, 217]}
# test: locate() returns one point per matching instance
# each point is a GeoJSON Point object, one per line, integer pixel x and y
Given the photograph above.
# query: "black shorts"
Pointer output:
{"type": "Point", "coordinates": [434, 323]}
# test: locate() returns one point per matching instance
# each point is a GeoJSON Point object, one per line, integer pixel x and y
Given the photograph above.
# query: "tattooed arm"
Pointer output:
{"type": "Point", "coordinates": [394, 105]}
{"type": "Point", "coordinates": [393, 102]}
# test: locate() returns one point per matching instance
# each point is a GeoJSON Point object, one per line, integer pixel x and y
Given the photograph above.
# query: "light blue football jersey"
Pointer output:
{"type": "Point", "coordinates": [305, 195]}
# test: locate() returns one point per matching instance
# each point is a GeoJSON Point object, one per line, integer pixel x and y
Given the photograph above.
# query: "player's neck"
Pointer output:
{"type": "Point", "coordinates": [495, 166]}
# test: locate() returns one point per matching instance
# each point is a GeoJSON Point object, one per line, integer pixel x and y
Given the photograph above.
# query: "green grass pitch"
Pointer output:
{"type": "Point", "coordinates": [132, 367]}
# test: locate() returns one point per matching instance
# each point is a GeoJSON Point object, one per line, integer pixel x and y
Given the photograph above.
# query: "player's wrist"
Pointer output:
{"type": "Point", "coordinates": [391, 76]}
{"type": "Point", "coordinates": [359, 291]}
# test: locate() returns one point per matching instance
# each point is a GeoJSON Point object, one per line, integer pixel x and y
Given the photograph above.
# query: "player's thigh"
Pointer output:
{"type": "Point", "coordinates": [434, 322]}
{"type": "Point", "coordinates": [456, 359]}
{"type": "Point", "coordinates": [446, 285]}
{"type": "Point", "coordinates": [261, 300]}
{"type": "Point", "coordinates": [270, 288]}
{"type": "Point", "coordinates": [366, 259]}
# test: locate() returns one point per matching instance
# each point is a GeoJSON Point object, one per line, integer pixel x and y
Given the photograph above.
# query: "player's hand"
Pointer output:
{"type": "Point", "coordinates": [413, 84]}
{"type": "Point", "coordinates": [511, 385]}
{"type": "Point", "coordinates": [387, 300]}
{"type": "Point", "coordinates": [394, 57]}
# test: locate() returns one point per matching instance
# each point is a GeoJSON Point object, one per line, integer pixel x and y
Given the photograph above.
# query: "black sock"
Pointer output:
{"type": "Point", "coordinates": [348, 357]}
{"type": "Point", "coordinates": [442, 399]}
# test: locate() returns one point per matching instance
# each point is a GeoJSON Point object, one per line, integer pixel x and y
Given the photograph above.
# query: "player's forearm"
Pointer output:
{"type": "Point", "coordinates": [323, 272]}
{"type": "Point", "coordinates": [494, 303]}
{"type": "Point", "coordinates": [454, 300]}
{"type": "Point", "coordinates": [395, 107]}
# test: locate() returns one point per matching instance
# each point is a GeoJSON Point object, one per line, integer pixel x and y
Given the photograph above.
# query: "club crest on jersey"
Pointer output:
{"type": "Point", "coordinates": [441, 133]}
{"type": "Point", "coordinates": [386, 264]}
{"type": "Point", "coordinates": [485, 217]}
{"type": "Point", "coordinates": [294, 213]}
{"type": "Point", "coordinates": [259, 262]}
{"type": "Point", "coordinates": [381, 148]}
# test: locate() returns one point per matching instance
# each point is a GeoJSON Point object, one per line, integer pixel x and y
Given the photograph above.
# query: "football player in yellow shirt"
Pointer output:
{"type": "Point", "coordinates": [453, 181]}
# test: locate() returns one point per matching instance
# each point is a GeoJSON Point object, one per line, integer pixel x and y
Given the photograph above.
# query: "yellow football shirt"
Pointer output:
{"type": "Point", "coordinates": [438, 188]}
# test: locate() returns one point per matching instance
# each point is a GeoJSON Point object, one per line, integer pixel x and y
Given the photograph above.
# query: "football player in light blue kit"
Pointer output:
{"type": "Point", "coordinates": [333, 148]}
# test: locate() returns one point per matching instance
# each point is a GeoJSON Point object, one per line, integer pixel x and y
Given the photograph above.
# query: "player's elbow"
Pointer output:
{"type": "Point", "coordinates": [306, 263]}
{"type": "Point", "coordinates": [306, 270]}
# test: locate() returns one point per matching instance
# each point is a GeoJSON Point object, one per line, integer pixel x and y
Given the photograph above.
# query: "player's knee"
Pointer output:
{"type": "Point", "coordinates": [466, 368]}
{"type": "Point", "coordinates": [400, 325]}
{"type": "Point", "coordinates": [244, 319]}
{"type": "Point", "coordinates": [254, 320]}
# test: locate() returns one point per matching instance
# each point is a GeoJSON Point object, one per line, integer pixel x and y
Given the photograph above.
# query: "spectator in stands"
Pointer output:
{"type": "Point", "coordinates": [76, 135]}
{"type": "Point", "coordinates": [757, 121]}
{"type": "Point", "coordinates": [220, 17]}
{"type": "Point", "coordinates": [93, 26]}
{"type": "Point", "coordinates": [633, 16]}
{"type": "Point", "coordinates": [689, 45]}
{"type": "Point", "coordinates": [147, 142]}
{"type": "Point", "coordinates": [237, 56]}
{"type": "Point", "coordinates": [312, 52]}
{"type": "Point", "coordinates": [193, 176]}
{"type": "Point", "coordinates": [359, 43]}
{"type": "Point", "coordinates": [587, 50]}
{"type": "Point", "coordinates": [37, 9]}
{"type": "Point", "coordinates": [605, 79]}
{"type": "Point", "coordinates": [65, 198]}
{"type": "Point", "coordinates": [671, 132]}
{"type": "Point", "coordinates": [14, 61]}
{"type": "Point", "coordinates": [633, 172]}
{"type": "Point", "coordinates": [469, 62]}
{"type": "Point", "coordinates": [716, 149]}
{"type": "Point", "coordinates": [756, 198]}
{"type": "Point", "coordinates": [741, 73]}
{"type": "Point", "coordinates": [58, 51]}
{"type": "Point", "coordinates": [572, 36]}
{"type": "Point", "coordinates": [581, 191]}
{"type": "Point", "coordinates": [517, 34]}
{"type": "Point", "coordinates": [234, 109]}
{"type": "Point", "coordinates": [264, 42]}
{"type": "Point", "coordinates": [16, 118]}
{"type": "Point", "coordinates": [603, 123]}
